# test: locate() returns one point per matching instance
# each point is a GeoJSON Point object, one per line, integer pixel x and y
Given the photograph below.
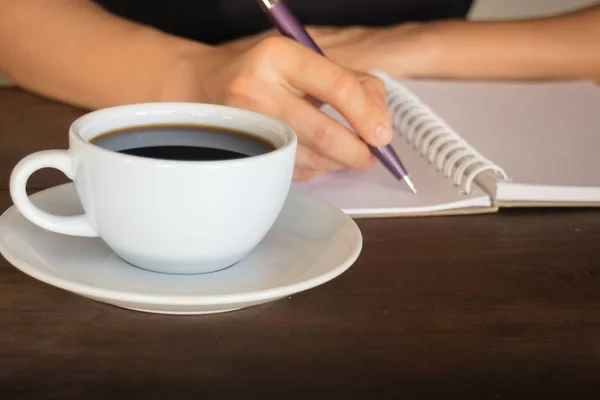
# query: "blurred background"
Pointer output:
{"type": "Point", "coordinates": [505, 9]}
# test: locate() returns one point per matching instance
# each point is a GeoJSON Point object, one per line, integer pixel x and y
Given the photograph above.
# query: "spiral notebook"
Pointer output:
{"type": "Point", "coordinates": [472, 147]}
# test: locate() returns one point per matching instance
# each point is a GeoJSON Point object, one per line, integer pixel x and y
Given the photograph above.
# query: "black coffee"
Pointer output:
{"type": "Point", "coordinates": [183, 142]}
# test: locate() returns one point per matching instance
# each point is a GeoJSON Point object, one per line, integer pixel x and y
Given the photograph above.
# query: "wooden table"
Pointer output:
{"type": "Point", "coordinates": [487, 307]}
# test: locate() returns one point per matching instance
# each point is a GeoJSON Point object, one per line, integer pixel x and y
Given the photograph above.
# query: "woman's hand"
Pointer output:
{"type": "Point", "coordinates": [283, 79]}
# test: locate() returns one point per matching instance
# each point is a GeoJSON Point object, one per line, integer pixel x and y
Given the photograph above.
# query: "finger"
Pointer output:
{"type": "Point", "coordinates": [310, 159]}
{"type": "Point", "coordinates": [377, 91]}
{"type": "Point", "coordinates": [333, 84]}
{"type": "Point", "coordinates": [325, 136]}
{"type": "Point", "coordinates": [324, 144]}
{"type": "Point", "coordinates": [304, 174]}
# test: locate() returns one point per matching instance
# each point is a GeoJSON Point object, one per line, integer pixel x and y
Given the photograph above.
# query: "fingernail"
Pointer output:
{"type": "Point", "coordinates": [383, 134]}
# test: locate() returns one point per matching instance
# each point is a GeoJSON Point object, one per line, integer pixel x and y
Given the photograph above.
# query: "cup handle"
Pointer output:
{"type": "Point", "coordinates": [77, 225]}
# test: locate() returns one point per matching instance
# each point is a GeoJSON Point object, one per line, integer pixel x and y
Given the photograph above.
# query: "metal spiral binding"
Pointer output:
{"type": "Point", "coordinates": [433, 138]}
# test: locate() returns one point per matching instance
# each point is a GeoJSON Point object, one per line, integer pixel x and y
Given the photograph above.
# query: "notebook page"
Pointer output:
{"type": "Point", "coordinates": [378, 193]}
{"type": "Point", "coordinates": [546, 136]}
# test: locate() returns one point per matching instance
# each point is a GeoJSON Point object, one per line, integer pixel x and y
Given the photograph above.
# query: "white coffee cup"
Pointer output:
{"type": "Point", "coordinates": [176, 217]}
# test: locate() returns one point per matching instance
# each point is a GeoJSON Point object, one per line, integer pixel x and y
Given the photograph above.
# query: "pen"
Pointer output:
{"type": "Point", "coordinates": [288, 25]}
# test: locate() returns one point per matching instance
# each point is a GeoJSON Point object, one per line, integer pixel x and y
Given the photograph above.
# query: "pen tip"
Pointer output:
{"type": "Point", "coordinates": [410, 185]}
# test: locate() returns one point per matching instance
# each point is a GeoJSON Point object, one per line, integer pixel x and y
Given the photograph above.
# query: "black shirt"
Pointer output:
{"type": "Point", "coordinates": [214, 21]}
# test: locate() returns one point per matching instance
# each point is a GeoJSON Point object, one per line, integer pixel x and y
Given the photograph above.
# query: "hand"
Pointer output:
{"type": "Point", "coordinates": [281, 78]}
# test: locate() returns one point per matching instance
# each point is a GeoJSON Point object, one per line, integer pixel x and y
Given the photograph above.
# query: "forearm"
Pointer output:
{"type": "Point", "coordinates": [565, 47]}
{"type": "Point", "coordinates": [74, 51]}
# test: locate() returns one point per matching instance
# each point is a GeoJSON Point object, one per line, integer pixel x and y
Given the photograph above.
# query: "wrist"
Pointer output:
{"type": "Point", "coordinates": [181, 77]}
{"type": "Point", "coordinates": [427, 48]}
{"type": "Point", "coordinates": [528, 49]}
{"type": "Point", "coordinates": [415, 51]}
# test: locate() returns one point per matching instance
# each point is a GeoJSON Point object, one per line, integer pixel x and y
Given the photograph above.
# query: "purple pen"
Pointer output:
{"type": "Point", "coordinates": [288, 25]}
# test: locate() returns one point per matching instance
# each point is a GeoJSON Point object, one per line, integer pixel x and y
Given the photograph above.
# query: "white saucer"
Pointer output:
{"type": "Point", "coordinates": [311, 243]}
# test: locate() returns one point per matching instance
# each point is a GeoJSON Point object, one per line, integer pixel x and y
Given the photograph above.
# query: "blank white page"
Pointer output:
{"type": "Point", "coordinates": [378, 193]}
{"type": "Point", "coordinates": [541, 134]}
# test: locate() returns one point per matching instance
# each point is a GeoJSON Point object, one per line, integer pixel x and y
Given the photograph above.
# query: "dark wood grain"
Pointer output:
{"type": "Point", "coordinates": [485, 307]}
